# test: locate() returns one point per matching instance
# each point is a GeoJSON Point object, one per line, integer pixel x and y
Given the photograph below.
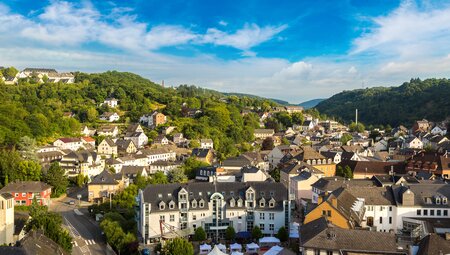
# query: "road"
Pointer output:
{"type": "Point", "coordinates": [87, 235]}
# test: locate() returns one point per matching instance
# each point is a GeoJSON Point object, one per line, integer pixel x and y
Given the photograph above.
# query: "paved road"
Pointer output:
{"type": "Point", "coordinates": [87, 235]}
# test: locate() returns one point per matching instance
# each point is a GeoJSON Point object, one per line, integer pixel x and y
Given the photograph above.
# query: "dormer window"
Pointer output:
{"type": "Point", "coordinates": [438, 200]}
{"type": "Point", "coordinates": [444, 201]}
{"type": "Point", "coordinates": [162, 205]}
{"type": "Point", "coordinates": [201, 203]}
{"type": "Point", "coordinates": [272, 203]}
{"type": "Point", "coordinates": [171, 205]}
{"type": "Point", "coordinates": [262, 203]}
{"type": "Point", "coordinates": [232, 202]}
{"type": "Point", "coordinates": [239, 202]}
{"type": "Point", "coordinates": [428, 200]}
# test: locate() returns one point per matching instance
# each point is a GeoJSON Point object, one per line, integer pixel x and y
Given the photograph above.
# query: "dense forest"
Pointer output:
{"type": "Point", "coordinates": [417, 99]}
{"type": "Point", "coordinates": [37, 109]}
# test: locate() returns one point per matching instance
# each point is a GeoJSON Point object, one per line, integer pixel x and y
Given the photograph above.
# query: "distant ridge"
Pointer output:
{"type": "Point", "coordinates": [311, 103]}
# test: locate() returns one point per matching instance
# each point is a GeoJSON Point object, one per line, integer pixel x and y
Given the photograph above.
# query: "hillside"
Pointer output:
{"type": "Point", "coordinates": [429, 99]}
{"type": "Point", "coordinates": [311, 103]}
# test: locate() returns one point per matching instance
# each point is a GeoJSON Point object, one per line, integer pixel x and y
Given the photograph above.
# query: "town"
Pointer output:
{"type": "Point", "coordinates": [213, 174]}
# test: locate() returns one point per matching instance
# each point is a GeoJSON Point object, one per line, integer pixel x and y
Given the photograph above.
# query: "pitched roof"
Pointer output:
{"type": "Point", "coordinates": [424, 193]}
{"type": "Point", "coordinates": [110, 142]}
{"type": "Point", "coordinates": [373, 195]}
{"type": "Point", "coordinates": [373, 167]}
{"type": "Point", "coordinates": [200, 153]}
{"type": "Point", "coordinates": [433, 244]}
{"type": "Point", "coordinates": [70, 139]}
{"type": "Point", "coordinates": [318, 234]}
{"type": "Point", "coordinates": [333, 183]}
{"type": "Point", "coordinates": [123, 144]}
{"type": "Point", "coordinates": [103, 178]}
{"type": "Point", "coordinates": [26, 186]}
{"type": "Point", "coordinates": [40, 70]}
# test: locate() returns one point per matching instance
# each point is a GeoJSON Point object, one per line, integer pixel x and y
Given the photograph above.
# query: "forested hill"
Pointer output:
{"type": "Point", "coordinates": [429, 99]}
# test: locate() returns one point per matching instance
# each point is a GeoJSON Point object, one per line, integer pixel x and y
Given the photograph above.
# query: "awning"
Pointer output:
{"type": "Point", "coordinates": [252, 246]}
{"type": "Point", "coordinates": [274, 250]}
{"type": "Point", "coordinates": [235, 247]}
{"type": "Point", "coordinates": [216, 251]}
{"type": "Point", "coordinates": [269, 239]}
{"type": "Point", "coordinates": [244, 235]}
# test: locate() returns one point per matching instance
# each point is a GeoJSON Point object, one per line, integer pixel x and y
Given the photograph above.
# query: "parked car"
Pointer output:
{"type": "Point", "coordinates": [72, 202]}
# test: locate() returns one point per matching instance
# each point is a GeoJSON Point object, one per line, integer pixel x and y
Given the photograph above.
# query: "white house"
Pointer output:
{"type": "Point", "coordinates": [110, 116]}
{"type": "Point", "coordinates": [111, 102]}
{"type": "Point", "coordinates": [68, 143]}
{"type": "Point", "coordinates": [413, 143]}
{"type": "Point", "coordinates": [206, 144]}
{"type": "Point", "coordinates": [213, 206]}
{"type": "Point", "coordinates": [437, 130]}
{"type": "Point", "coordinates": [140, 139]}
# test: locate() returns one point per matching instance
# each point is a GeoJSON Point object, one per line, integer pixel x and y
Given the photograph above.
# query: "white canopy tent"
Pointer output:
{"type": "Point", "coordinates": [216, 251]}
{"type": "Point", "coordinates": [293, 230]}
{"type": "Point", "coordinates": [269, 240]}
{"type": "Point", "coordinates": [252, 247]}
{"type": "Point", "coordinates": [274, 250]}
{"type": "Point", "coordinates": [235, 247]}
{"type": "Point", "coordinates": [205, 248]}
{"type": "Point", "coordinates": [221, 247]}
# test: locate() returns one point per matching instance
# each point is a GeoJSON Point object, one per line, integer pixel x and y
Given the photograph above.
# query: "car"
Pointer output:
{"type": "Point", "coordinates": [145, 251]}
{"type": "Point", "coordinates": [72, 202]}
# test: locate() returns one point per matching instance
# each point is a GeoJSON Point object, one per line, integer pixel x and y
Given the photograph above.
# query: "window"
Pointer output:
{"type": "Point", "coordinates": [159, 195]}
{"type": "Point", "coordinates": [445, 213]}
{"type": "Point", "coordinates": [431, 212]}
{"type": "Point", "coordinates": [390, 220]}
{"type": "Point", "coordinates": [317, 252]}
{"type": "Point", "coordinates": [262, 193]}
{"type": "Point", "coordinates": [261, 203]}
{"type": "Point", "coordinates": [425, 212]}
{"type": "Point", "coordinates": [271, 216]}
{"type": "Point", "coordinates": [381, 208]}
{"type": "Point", "coordinates": [171, 205]}
{"type": "Point", "coordinates": [272, 204]}
{"type": "Point", "coordinates": [194, 217]}
{"type": "Point", "coordinates": [381, 220]}
{"type": "Point", "coordinates": [261, 226]}
{"type": "Point", "coordinates": [16, 194]}
{"type": "Point", "coordinates": [231, 193]}
{"type": "Point", "coordinates": [271, 227]}
{"type": "Point", "coordinates": [172, 218]}
{"type": "Point", "coordinates": [24, 194]}
{"type": "Point", "coordinates": [419, 212]}
{"type": "Point", "coordinates": [162, 206]}
{"type": "Point", "coordinates": [438, 212]}
{"type": "Point", "coordinates": [444, 200]}
{"type": "Point", "coordinates": [200, 194]}
{"type": "Point", "coordinates": [329, 252]}
{"type": "Point", "coordinates": [329, 213]}
{"type": "Point", "coordinates": [370, 208]}
{"type": "Point", "coordinates": [324, 212]}
{"type": "Point", "coordinates": [201, 204]}
{"type": "Point", "coordinates": [162, 218]}
{"type": "Point", "coordinates": [261, 216]}
{"type": "Point", "coordinates": [390, 208]}
{"type": "Point", "coordinates": [194, 204]}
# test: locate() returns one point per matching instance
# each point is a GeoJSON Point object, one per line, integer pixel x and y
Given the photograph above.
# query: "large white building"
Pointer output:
{"type": "Point", "coordinates": [213, 206]}
{"type": "Point", "coordinates": [6, 218]}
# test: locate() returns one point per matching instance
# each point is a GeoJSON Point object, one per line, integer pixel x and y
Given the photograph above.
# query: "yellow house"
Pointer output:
{"type": "Point", "coordinates": [105, 185]}
{"type": "Point", "coordinates": [340, 208]}
{"type": "Point", "coordinates": [311, 157]}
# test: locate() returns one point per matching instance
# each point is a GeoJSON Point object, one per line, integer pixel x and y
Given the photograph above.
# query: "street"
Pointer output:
{"type": "Point", "coordinates": [86, 233]}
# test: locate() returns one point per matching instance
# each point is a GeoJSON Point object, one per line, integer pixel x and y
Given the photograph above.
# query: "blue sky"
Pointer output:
{"type": "Point", "coordinates": [291, 50]}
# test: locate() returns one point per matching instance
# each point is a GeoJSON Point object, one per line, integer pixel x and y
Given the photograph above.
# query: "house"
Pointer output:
{"type": "Point", "coordinates": [263, 133]}
{"type": "Point", "coordinates": [179, 139]}
{"type": "Point", "coordinates": [191, 205]}
{"type": "Point", "coordinates": [107, 147]}
{"type": "Point", "coordinates": [436, 141]}
{"type": "Point", "coordinates": [306, 126]}
{"type": "Point", "coordinates": [125, 147]}
{"type": "Point", "coordinates": [319, 236]}
{"type": "Point", "coordinates": [116, 164]}
{"type": "Point", "coordinates": [51, 74]}
{"type": "Point", "coordinates": [311, 157]}
{"type": "Point", "coordinates": [68, 143]}
{"type": "Point", "coordinates": [105, 185]}
{"type": "Point", "coordinates": [34, 243]}
{"type": "Point", "coordinates": [109, 116]}
{"type": "Point", "coordinates": [168, 130]}
{"type": "Point", "coordinates": [423, 125]}
{"type": "Point", "coordinates": [253, 174]}
{"type": "Point", "coordinates": [159, 154]}
{"type": "Point", "coordinates": [340, 208]}
{"type": "Point", "coordinates": [108, 130]}
{"type": "Point", "coordinates": [206, 173]}
{"type": "Point", "coordinates": [138, 138]}
{"type": "Point", "coordinates": [24, 192]}
{"type": "Point", "coordinates": [328, 184]}
{"type": "Point", "coordinates": [298, 178]}
{"type": "Point", "coordinates": [83, 162]}
{"type": "Point", "coordinates": [335, 156]}
{"type": "Point", "coordinates": [381, 145]}
{"type": "Point", "coordinates": [434, 244]}
{"type": "Point", "coordinates": [413, 143]}
{"type": "Point", "coordinates": [86, 131]}
{"type": "Point", "coordinates": [399, 131]}
{"type": "Point", "coordinates": [6, 218]}
{"type": "Point", "coordinates": [206, 144]}
{"type": "Point", "coordinates": [163, 166]}
{"type": "Point", "coordinates": [205, 155]}
{"type": "Point", "coordinates": [161, 140]}
{"type": "Point", "coordinates": [437, 164]}
{"type": "Point", "coordinates": [111, 102]}
{"type": "Point", "coordinates": [438, 130]}
{"type": "Point", "coordinates": [278, 152]}
{"type": "Point", "coordinates": [367, 169]}
{"type": "Point", "coordinates": [131, 172]}
{"type": "Point", "coordinates": [88, 142]}
{"type": "Point", "coordinates": [153, 120]}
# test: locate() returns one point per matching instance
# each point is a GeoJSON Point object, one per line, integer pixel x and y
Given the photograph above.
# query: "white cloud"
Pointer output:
{"type": "Point", "coordinates": [246, 38]}
{"type": "Point", "coordinates": [408, 32]}
{"type": "Point", "coordinates": [223, 23]}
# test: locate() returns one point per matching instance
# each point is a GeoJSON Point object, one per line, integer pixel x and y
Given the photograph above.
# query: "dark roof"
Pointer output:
{"type": "Point", "coordinates": [11, 250]}
{"type": "Point", "coordinates": [200, 153]}
{"type": "Point", "coordinates": [373, 167]}
{"type": "Point", "coordinates": [249, 170]}
{"type": "Point", "coordinates": [373, 195]}
{"type": "Point", "coordinates": [25, 186]}
{"type": "Point", "coordinates": [110, 142]}
{"type": "Point", "coordinates": [345, 205]}
{"type": "Point", "coordinates": [333, 183]}
{"type": "Point", "coordinates": [7, 195]}
{"type": "Point", "coordinates": [123, 144]}
{"type": "Point", "coordinates": [154, 194]}
{"type": "Point", "coordinates": [318, 234]}
{"type": "Point", "coordinates": [40, 70]}
{"type": "Point", "coordinates": [298, 167]}
{"type": "Point", "coordinates": [36, 243]}
{"type": "Point", "coordinates": [105, 177]}
{"type": "Point", "coordinates": [433, 244]}
{"type": "Point", "coordinates": [132, 170]}
{"type": "Point", "coordinates": [423, 192]}
{"type": "Point", "coordinates": [239, 161]}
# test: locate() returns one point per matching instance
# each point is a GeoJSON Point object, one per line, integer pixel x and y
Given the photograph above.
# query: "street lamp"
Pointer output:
{"type": "Point", "coordinates": [79, 199]}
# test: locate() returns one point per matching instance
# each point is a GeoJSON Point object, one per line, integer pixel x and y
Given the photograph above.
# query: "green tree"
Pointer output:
{"type": "Point", "coordinates": [27, 147]}
{"type": "Point", "coordinates": [297, 118]}
{"type": "Point", "coordinates": [346, 138]}
{"type": "Point", "coordinates": [81, 180]}
{"type": "Point", "coordinates": [356, 127]}
{"type": "Point", "coordinates": [230, 233]}
{"type": "Point", "coordinates": [56, 178]}
{"type": "Point", "coordinates": [177, 176]}
{"type": "Point", "coordinates": [9, 72]}
{"type": "Point", "coordinates": [256, 233]}
{"type": "Point", "coordinates": [199, 234]}
{"type": "Point", "coordinates": [177, 246]}
{"type": "Point", "coordinates": [29, 171]}
{"type": "Point", "coordinates": [348, 172]}
{"type": "Point", "coordinates": [268, 144]}
{"type": "Point", "coordinates": [194, 144]}
{"type": "Point", "coordinates": [275, 173]}
{"type": "Point", "coordinates": [339, 171]}
{"type": "Point", "coordinates": [159, 178]}
{"type": "Point", "coordinates": [283, 234]}
{"type": "Point", "coordinates": [191, 165]}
